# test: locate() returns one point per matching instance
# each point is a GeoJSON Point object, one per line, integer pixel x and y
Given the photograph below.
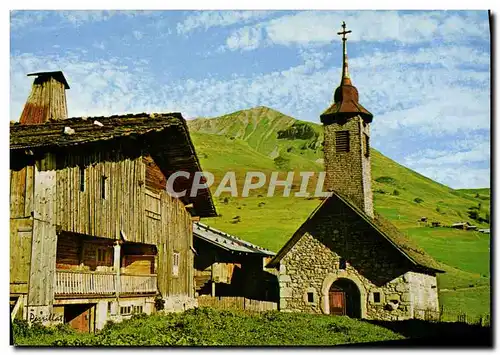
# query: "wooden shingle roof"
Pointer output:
{"type": "Point", "coordinates": [166, 136]}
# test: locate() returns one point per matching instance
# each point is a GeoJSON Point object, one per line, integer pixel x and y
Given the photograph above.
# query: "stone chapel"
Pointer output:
{"type": "Point", "coordinates": [345, 259]}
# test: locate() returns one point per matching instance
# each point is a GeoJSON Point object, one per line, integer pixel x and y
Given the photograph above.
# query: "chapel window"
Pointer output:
{"type": "Point", "coordinates": [310, 297]}
{"type": "Point", "coordinates": [342, 141]}
{"type": "Point", "coordinates": [376, 297]}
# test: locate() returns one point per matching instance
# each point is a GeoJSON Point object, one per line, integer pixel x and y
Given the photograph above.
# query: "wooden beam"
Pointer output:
{"type": "Point", "coordinates": [116, 265]}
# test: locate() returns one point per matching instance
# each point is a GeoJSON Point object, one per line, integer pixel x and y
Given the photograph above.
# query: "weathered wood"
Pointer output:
{"type": "Point", "coordinates": [116, 267]}
{"type": "Point", "coordinates": [17, 193]}
{"type": "Point", "coordinates": [94, 283]}
{"type": "Point", "coordinates": [20, 254]}
{"type": "Point", "coordinates": [43, 260]}
{"type": "Point", "coordinates": [28, 200]}
{"type": "Point", "coordinates": [240, 303]}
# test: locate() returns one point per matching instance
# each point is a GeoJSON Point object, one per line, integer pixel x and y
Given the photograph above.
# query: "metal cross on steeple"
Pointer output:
{"type": "Point", "coordinates": [346, 78]}
{"type": "Point", "coordinates": [344, 32]}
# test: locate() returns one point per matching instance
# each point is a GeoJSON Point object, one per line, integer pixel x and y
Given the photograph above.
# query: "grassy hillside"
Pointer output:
{"type": "Point", "coordinates": [265, 140]}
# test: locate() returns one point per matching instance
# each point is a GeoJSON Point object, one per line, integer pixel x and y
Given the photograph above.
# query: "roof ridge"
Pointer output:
{"type": "Point", "coordinates": [230, 236]}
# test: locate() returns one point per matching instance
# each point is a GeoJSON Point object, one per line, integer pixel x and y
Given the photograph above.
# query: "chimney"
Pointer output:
{"type": "Point", "coordinates": [47, 100]}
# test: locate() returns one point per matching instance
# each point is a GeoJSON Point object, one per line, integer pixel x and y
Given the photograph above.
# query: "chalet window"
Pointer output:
{"type": "Point", "coordinates": [103, 256]}
{"type": "Point", "coordinates": [125, 310]}
{"type": "Point", "coordinates": [82, 178]}
{"type": "Point", "coordinates": [342, 264]}
{"type": "Point", "coordinates": [109, 307]}
{"type": "Point", "coordinates": [103, 187]}
{"type": "Point", "coordinates": [376, 297]}
{"type": "Point", "coordinates": [366, 145]}
{"type": "Point", "coordinates": [137, 309]}
{"type": "Point", "coordinates": [342, 141]}
{"type": "Point", "coordinates": [175, 264]}
{"type": "Point", "coordinates": [310, 297]}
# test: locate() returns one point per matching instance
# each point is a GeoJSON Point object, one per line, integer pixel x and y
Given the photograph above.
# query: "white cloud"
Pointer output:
{"type": "Point", "coordinates": [480, 152]}
{"type": "Point", "coordinates": [19, 19]}
{"type": "Point", "coordinates": [24, 18]}
{"type": "Point", "coordinates": [321, 27]}
{"type": "Point", "coordinates": [458, 177]}
{"type": "Point", "coordinates": [209, 19]}
{"type": "Point", "coordinates": [247, 38]}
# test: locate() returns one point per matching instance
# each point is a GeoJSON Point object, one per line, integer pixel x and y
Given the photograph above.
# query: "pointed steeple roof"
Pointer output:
{"type": "Point", "coordinates": [346, 98]}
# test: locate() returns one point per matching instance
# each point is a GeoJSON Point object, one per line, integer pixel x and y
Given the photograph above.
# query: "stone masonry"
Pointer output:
{"type": "Point", "coordinates": [349, 173]}
{"type": "Point", "coordinates": [373, 265]}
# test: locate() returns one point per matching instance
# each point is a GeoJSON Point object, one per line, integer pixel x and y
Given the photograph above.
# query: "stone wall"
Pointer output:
{"type": "Point", "coordinates": [349, 173]}
{"type": "Point", "coordinates": [372, 264]}
{"type": "Point", "coordinates": [424, 294]}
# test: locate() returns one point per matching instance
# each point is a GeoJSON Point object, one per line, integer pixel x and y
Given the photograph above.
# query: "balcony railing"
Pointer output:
{"type": "Point", "coordinates": [137, 283]}
{"type": "Point", "coordinates": [99, 283]}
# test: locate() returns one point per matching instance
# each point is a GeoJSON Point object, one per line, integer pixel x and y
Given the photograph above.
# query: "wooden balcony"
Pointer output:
{"type": "Point", "coordinates": [84, 283]}
{"type": "Point", "coordinates": [138, 283]}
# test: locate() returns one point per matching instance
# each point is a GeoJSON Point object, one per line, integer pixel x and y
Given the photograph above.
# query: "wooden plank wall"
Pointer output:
{"type": "Point", "coordinates": [86, 212]}
{"type": "Point", "coordinates": [21, 227]}
{"type": "Point", "coordinates": [21, 233]}
{"type": "Point", "coordinates": [43, 259]}
{"type": "Point", "coordinates": [21, 192]}
{"type": "Point", "coordinates": [69, 251]}
{"type": "Point", "coordinates": [177, 227]}
{"type": "Point", "coordinates": [240, 303]}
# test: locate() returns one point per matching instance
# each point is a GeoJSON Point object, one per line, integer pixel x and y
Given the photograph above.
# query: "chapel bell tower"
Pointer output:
{"type": "Point", "coordinates": [347, 142]}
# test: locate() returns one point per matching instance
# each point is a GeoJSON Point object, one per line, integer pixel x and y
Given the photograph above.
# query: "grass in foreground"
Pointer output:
{"type": "Point", "coordinates": [209, 327]}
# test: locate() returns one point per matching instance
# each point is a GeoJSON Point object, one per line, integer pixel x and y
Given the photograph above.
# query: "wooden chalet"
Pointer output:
{"type": "Point", "coordinates": [226, 265]}
{"type": "Point", "coordinates": [94, 235]}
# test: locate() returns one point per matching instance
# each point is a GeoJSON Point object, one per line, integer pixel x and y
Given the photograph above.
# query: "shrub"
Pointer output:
{"type": "Point", "coordinates": [396, 193]}
{"type": "Point", "coordinates": [473, 214]}
{"type": "Point", "coordinates": [379, 191]}
{"type": "Point", "coordinates": [159, 303]}
{"type": "Point", "coordinates": [281, 162]}
{"type": "Point", "coordinates": [419, 200]}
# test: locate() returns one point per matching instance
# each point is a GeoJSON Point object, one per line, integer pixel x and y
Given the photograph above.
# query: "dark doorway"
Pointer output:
{"type": "Point", "coordinates": [345, 298]}
{"type": "Point", "coordinates": [80, 317]}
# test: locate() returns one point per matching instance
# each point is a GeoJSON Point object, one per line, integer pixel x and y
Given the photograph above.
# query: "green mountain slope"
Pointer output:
{"type": "Point", "coordinates": [265, 140]}
{"type": "Point", "coordinates": [262, 139]}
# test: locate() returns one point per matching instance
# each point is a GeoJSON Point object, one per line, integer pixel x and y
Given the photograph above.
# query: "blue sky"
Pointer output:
{"type": "Point", "coordinates": [425, 75]}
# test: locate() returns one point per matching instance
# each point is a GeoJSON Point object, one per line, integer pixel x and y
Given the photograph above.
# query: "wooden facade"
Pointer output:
{"type": "Point", "coordinates": [94, 220]}
{"type": "Point", "coordinates": [226, 266]}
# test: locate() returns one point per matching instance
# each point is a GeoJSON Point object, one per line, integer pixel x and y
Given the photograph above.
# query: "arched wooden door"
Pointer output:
{"type": "Point", "coordinates": [345, 299]}
{"type": "Point", "coordinates": [337, 299]}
